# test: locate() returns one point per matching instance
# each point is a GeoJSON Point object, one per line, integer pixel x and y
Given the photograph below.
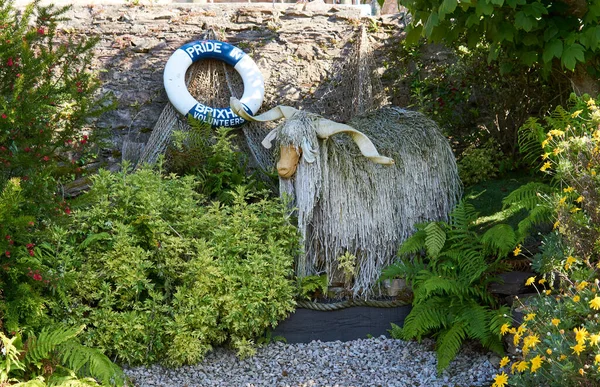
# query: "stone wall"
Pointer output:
{"type": "Point", "coordinates": [295, 46]}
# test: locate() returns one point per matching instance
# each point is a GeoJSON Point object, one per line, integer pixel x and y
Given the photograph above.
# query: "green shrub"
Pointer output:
{"type": "Point", "coordinates": [450, 279]}
{"type": "Point", "coordinates": [478, 164]}
{"type": "Point", "coordinates": [161, 276]}
{"type": "Point", "coordinates": [47, 96]}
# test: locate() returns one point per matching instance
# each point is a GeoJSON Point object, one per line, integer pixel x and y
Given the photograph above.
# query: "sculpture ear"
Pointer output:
{"type": "Point", "coordinates": [308, 153]}
{"type": "Point", "coordinates": [267, 142]}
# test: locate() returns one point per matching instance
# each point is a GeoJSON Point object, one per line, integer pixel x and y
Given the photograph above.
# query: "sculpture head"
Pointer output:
{"type": "Point", "coordinates": [299, 133]}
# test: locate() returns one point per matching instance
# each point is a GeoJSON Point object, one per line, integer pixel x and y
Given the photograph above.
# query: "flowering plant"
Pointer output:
{"type": "Point", "coordinates": [558, 339]}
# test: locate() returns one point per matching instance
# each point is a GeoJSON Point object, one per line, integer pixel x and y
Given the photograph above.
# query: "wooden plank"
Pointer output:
{"type": "Point", "coordinates": [347, 324]}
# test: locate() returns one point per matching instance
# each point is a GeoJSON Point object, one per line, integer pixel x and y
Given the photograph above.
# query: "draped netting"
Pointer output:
{"type": "Point", "coordinates": [353, 88]}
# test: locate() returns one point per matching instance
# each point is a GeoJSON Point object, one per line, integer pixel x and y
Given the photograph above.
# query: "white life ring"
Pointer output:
{"type": "Point", "coordinates": [182, 100]}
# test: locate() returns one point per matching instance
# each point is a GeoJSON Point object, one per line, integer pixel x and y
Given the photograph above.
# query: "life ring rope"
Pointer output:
{"type": "Point", "coordinates": [182, 100]}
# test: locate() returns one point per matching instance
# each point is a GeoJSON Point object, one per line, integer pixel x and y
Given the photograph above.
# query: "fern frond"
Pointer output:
{"type": "Point", "coordinates": [426, 317]}
{"type": "Point", "coordinates": [536, 216]}
{"type": "Point", "coordinates": [40, 348]}
{"type": "Point", "coordinates": [500, 239]}
{"type": "Point", "coordinates": [413, 244]}
{"type": "Point", "coordinates": [528, 196]}
{"type": "Point", "coordinates": [530, 137]}
{"type": "Point", "coordinates": [435, 239]}
{"type": "Point", "coordinates": [85, 361]}
{"type": "Point", "coordinates": [476, 318]}
{"type": "Point", "coordinates": [463, 215]}
{"type": "Point", "coordinates": [448, 344]}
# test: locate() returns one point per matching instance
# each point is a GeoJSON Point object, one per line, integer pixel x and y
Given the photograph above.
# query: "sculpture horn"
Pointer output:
{"type": "Point", "coordinates": [276, 113]}
{"type": "Point", "coordinates": [327, 128]}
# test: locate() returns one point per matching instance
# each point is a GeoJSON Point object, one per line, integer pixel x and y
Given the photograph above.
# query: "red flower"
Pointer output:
{"type": "Point", "coordinates": [31, 223]}
{"type": "Point", "coordinates": [9, 62]}
{"type": "Point", "coordinates": [46, 158]}
{"type": "Point", "coordinates": [8, 237]}
{"type": "Point", "coordinates": [31, 253]}
{"type": "Point", "coordinates": [37, 277]}
{"type": "Point", "coordinates": [41, 31]}
{"type": "Point", "coordinates": [68, 211]}
{"type": "Point", "coordinates": [30, 246]}
{"type": "Point", "coordinates": [18, 75]}
{"type": "Point", "coordinates": [4, 116]}
{"type": "Point", "coordinates": [27, 149]}
{"type": "Point", "coordinates": [7, 253]}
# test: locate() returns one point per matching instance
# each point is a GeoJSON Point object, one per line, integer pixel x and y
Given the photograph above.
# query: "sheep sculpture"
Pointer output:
{"type": "Point", "coordinates": [348, 197]}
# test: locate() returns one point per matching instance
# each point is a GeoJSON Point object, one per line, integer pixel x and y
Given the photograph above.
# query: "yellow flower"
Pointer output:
{"type": "Point", "coordinates": [542, 281]}
{"type": "Point", "coordinates": [556, 224]}
{"type": "Point", "coordinates": [595, 339]}
{"type": "Point", "coordinates": [570, 260]}
{"type": "Point", "coordinates": [521, 328]}
{"type": "Point", "coordinates": [549, 351]}
{"type": "Point", "coordinates": [536, 363]}
{"type": "Point", "coordinates": [512, 331]}
{"type": "Point", "coordinates": [504, 329]}
{"type": "Point", "coordinates": [529, 317]}
{"type": "Point", "coordinates": [591, 102]}
{"type": "Point", "coordinates": [593, 172]}
{"type": "Point", "coordinates": [581, 371]}
{"type": "Point", "coordinates": [576, 113]}
{"type": "Point", "coordinates": [545, 142]}
{"type": "Point", "coordinates": [500, 380]}
{"type": "Point", "coordinates": [522, 366]}
{"type": "Point", "coordinates": [555, 322]}
{"type": "Point", "coordinates": [504, 361]}
{"type": "Point", "coordinates": [597, 358]}
{"type": "Point", "coordinates": [580, 286]}
{"type": "Point", "coordinates": [557, 151]}
{"type": "Point", "coordinates": [547, 165]}
{"type": "Point", "coordinates": [562, 357]}
{"type": "Point", "coordinates": [547, 291]}
{"type": "Point", "coordinates": [581, 334]}
{"type": "Point", "coordinates": [530, 281]}
{"type": "Point", "coordinates": [517, 250]}
{"type": "Point", "coordinates": [562, 200]}
{"type": "Point", "coordinates": [568, 189]}
{"type": "Point", "coordinates": [595, 303]}
{"type": "Point", "coordinates": [531, 341]}
{"type": "Point", "coordinates": [576, 298]}
{"type": "Point", "coordinates": [579, 199]}
{"type": "Point", "coordinates": [516, 339]}
{"type": "Point", "coordinates": [578, 348]}
{"type": "Point", "coordinates": [574, 210]}
{"type": "Point", "coordinates": [545, 155]}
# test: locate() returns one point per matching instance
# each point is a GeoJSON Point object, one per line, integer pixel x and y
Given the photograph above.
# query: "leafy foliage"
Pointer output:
{"type": "Point", "coordinates": [54, 358]}
{"type": "Point", "coordinates": [47, 97]}
{"type": "Point", "coordinates": [213, 157]}
{"type": "Point", "coordinates": [449, 280]}
{"type": "Point", "coordinates": [526, 31]}
{"type": "Point", "coordinates": [161, 276]}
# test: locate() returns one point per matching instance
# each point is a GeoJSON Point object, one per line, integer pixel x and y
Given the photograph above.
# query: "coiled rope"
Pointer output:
{"type": "Point", "coordinates": [349, 303]}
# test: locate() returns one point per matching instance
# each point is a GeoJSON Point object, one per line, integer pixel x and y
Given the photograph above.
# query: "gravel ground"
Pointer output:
{"type": "Point", "coordinates": [360, 363]}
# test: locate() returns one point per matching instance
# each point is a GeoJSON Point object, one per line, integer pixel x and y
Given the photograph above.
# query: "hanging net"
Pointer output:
{"type": "Point", "coordinates": [353, 88]}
